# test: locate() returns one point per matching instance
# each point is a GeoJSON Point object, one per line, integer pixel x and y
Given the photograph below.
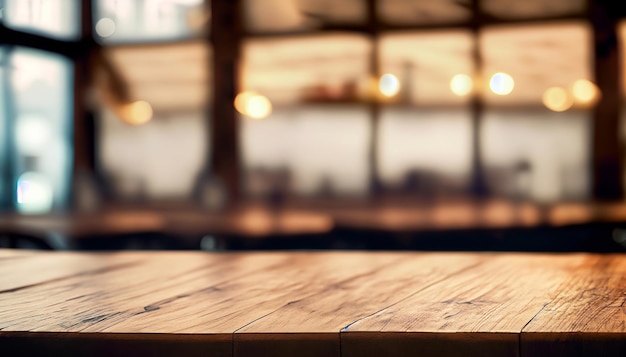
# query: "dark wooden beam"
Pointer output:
{"type": "Point", "coordinates": [607, 148]}
{"type": "Point", "coordinates": [372, 30]}
{"type": "Point", "coordinates": [478, 185]}
{"type": "Point", "coordinates": [66, 48]}
{"type": "Point", "coordinates": [83, 162]}
{"type": "Point", "coordinates": [384, 27]}
{"type": "Point", "coordinates": [226, 35]}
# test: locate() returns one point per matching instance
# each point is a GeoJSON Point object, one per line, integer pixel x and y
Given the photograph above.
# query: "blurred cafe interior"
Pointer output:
{"type": "Point", "coordinates": [312, 124]}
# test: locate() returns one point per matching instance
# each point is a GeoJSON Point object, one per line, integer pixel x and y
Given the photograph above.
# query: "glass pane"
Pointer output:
{"type": "Point", "coordinates": [515, 9]}
{"type": "Point", "coordinates": [118, 21]}
{"type": "Point", "coordinates": [53, 18]}
{"type": "Point", "coordinates": [309, 150]}
{"type": "Point", "coordinates": [315, 139]}
{"type": "Point", "coordinates": [425, 151]}
{"type": "Point", "coordinates": [536, 57]}
{"type": "Point", "coordinates": [426, 63]}
{"type": "Point", "coordinates": [42, 101]}
{"type": "Point", "coordinates": [302, 15]}
{"type": "Point", "coordinates": [407, 12]}
{"type": "Point", "coordinates": [537, 154]}
{"type": "Point", "coordinates": [159, 160]}
{"type": "Point", "coordinates": [162, 158]}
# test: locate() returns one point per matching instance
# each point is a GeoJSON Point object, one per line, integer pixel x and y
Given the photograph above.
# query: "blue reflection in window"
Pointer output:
{"type": "Point", "coordinates": [50, 18]}
{"type": "Point", "coordinates": [41, 102]}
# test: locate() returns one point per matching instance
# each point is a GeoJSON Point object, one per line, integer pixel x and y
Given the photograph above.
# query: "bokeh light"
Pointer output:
{"type": "Point", "coordinates": [557, 99]}
{"type": "Point", "coordinates": [34, 193]}
{"type": "Point", "coordinates": [137, 113]}
{"type": "Point", "coordinates": [585, 92]}
{"type": "Point", "coordinates": [501, 83]}
{"type": "Point", "coordinates": [258, 107]}
{"type": "Point", "coordinates": [461, 85]}
{"type": "Point", "coordinates": [389, 85]}
{"type": "Point", "coordinates": [253, 105]}
{"type": "Point", "coordinates": [105, 27]}
{"type": "Point", "coordinates": [241, 101]}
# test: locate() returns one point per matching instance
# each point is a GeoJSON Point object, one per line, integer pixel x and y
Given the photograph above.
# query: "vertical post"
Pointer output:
{"type": "Point", "coordinates": [83, 161]}
{"type": "Point", "coordinates": [478, 184]}
{"type": "Point", "coordinates": [226, 35]}
{"type": "Point", "coordinates": [607, 151]}
{"type": "Point", "coordinates": [374, 105]}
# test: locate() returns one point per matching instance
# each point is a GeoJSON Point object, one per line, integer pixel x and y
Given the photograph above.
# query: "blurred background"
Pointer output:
{"type": "Point", "coordinates": [305, 124]}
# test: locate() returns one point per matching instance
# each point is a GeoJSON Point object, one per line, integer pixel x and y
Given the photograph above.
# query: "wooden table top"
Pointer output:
{"type": "Point", "coordinates": [248, 221]}
{"type": "Point", "coordinates": [252, 220]}
{"type": "Point", "coordinates": [312, 304]}
{"type": "Point", "coordinates": [491, 214]}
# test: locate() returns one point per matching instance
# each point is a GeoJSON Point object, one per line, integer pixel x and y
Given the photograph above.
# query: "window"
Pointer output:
{"type": "Point", "coordinates": [531, 150]}
{"type": "Point", "coordinates": [37, 108]}
{"type": "Point", "coordinates": [52, 18]}
{"type": "Point", "coordinates": [120, 21]}
{"type": "Point", "coordinates": [41, 92]}
{"type": "Point", "coordinates": [425, 130]}
{"type": "Point", "coordinates": [318, 130]}
{"type": "Point", "coordinates": [159, 53]}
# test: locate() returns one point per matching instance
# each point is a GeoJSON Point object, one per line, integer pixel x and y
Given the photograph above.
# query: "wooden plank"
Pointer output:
{"type": "Point", "coordinates": [480, 311]}
{"type": "Point", "coordinates": [175, 294]}
{"type": "Point", "coordinates": [70, 315]}
{"type": "Point", "coordinates": [586, 316]}
{"type": "Point", "coordinates": [98, 299]}
{"type": "Point", "coordinates": [36, 268]}
{"type": "Point", "coordinates": [233, 303]}
{"type": "Point", "coordinates": [310, 326]}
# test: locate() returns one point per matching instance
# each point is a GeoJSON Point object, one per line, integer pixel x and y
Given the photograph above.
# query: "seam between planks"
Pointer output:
{"type": "Point", "coordinates": [471, 266]}
{"type": "Point", "coordinates": [519, 339]}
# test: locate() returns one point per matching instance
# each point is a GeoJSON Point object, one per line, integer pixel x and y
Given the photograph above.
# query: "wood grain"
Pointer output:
{"type": "Point", "coordinates": [312, 304]}
{"type": "Point", "coordinates": [587, 314]}
{"type": "Point", "coordinates": [211, 295]}
{"type": "Point", "coordinates": [21, 270]}
{"type": "Point", "coordinates": [311, 325]}
{"type": "Point", "coordinates": [479, 311]}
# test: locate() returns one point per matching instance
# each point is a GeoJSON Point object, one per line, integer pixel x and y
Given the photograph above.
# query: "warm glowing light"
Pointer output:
{"type": "Point", "coordinates": [105, 27]}
{"type": "Point", "coordinates": [585, 92]}
{"type": "Point", "coordinates": [137, 113]}
{"type": "Point", "coordinates": [501, 83]}
{"type": "Point", "coordinates": [389, 85]}
{"type": "Point", "coordinates": [258, 107]}
{"type": "Point", "coordinates": [461, 85]}
{"type": "Point", "coordinates": [557, 99]}
{"type": "Point", "coordinates": [253, 105]}
{"type": "Point", "coordinates": [241, 101]}
{"type": "Point", "coordinates": [34, 193]}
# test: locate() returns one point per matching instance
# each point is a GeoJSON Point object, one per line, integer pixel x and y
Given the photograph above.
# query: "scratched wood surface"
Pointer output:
{"type": "Point", "coordinates": [586, 315]}
{"type": "Point", "coordinates": [311, 304]}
